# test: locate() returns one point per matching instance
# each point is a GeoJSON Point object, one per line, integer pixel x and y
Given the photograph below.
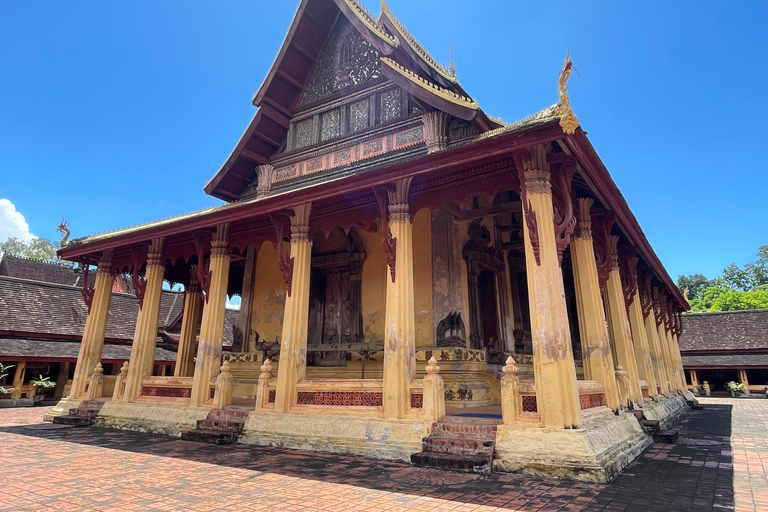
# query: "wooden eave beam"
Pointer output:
{"type": "Point", "coordinates": [266, 139]}
{"type": "Point", "coordinates": [478, 213]}
{"type": "Point", "coordinates": [254, 156]}
{"type": "Point", "coordinates": [277, 112]}
{"type": "Point", "coordinates": [479, 153]}
{"type": "Point", "coordinates": [288, 78]}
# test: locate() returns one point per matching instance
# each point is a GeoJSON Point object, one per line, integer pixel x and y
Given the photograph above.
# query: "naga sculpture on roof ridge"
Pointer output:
{"type": "Point", "coordinates": [568, 120]}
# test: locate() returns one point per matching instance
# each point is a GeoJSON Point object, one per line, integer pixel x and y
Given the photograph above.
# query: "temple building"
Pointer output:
{"type": "Point", "coordinates": [408, 266]}
{"type": "Point", "coordinates": [728, 346]}
{"type": "Point", "coordinates": [42, 316]}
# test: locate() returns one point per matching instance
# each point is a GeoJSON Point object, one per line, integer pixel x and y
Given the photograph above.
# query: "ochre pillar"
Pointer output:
{"type": "Point", "coordinates": [185, 357]}
{"type": "Point", "coordinates": [292, 366]}
{"type": "Point", "coordinates": [618, 324]}
{"type": "Point", "coordinates": [663, 342]}
{"type": "Point", "coordinates": [400, 320]}
{"type": "Point", "coordinates": [694, 378]}
{"type": "Point", "coordinates": [95, 326]}
{"type": "Point", "coordinates": [657, 355]}
{"type": "Point", "coordinates": [679, 359]}
{"type": "Point", "coordinates": [212, 326]}
{"type": "Point", "coordinates": [19, 373]}
{"type": "Point", "coordinates": [637, 326]}
{"type": "Point", "coordinates": [557, 393]}
{"type": "Point", "coordinates": [596, 349]}
{"type": "Point", "coordinates": [743, 378]}
{"type": "Point", "coordinates": [145, 335]}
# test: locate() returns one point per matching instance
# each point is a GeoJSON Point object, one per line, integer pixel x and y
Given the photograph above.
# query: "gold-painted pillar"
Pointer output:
{"type": "Point", "coordinates": [212, 326]}
{"type": "Point", "coordinates": [19, 373]}
{"type": "Point", "coordinates": [400, 319]}
{"type": "Point", "coordinates": [185, 357]}
{"type": "Point", "coordinates": [92, 344]}
{"type": "Point", "coordinates": [145, 335]}
{"type": "Point", "coordinates": [663, 342]}
{"type": "Point", "coordinates": [557, 394]}
{"type": "Point", "coordinates": [694, 378]}
{"type": "Point", "coordinates": [596, 348]}
{"type": "Point", "coordinates": [292, 366]}
{"type": "Point", "coordinates": [637, 326]}
{"type": "Point", "coordinates": [657, 356]}
{"type": "Point", "coordinates": [674, 347]}
{"type": "Point", "coordinates": [743, 378]}
{"type": "Point", "coordinates": [618, 324]}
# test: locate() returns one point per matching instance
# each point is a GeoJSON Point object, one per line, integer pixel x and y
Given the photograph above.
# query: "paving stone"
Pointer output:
{"type": "Point", "coordinates": [718, 463]}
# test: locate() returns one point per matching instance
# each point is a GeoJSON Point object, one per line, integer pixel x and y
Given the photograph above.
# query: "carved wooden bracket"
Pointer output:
{"type": "Point", "coordinates": [203, 273]}
{"type": "Point", "coordinates": [388, 242]}
{"type": "Point", "coordinates": [87, 290]}
{"type": "Point", "coordinates": [628, 268]}
{"type": "Point", "coordinates": [138, 280]}
{"type": "Point", "coordinates": [646, 297]}
{"type": "Point", "coordinates": [562, 199]}
{"type": "Point", "coordinates": [602, 223]}
{"type": "Point", "coordinates": [285, 264]}
{"type": "Point", "coordinates": [528, 213]}
{"type": "Point", "coordinates": [678, 323]}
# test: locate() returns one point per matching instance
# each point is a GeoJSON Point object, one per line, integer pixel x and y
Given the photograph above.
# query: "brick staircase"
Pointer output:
{"type": "Point", "coordinates": [459, 444]}
{"type": "Point", "coordinates": [82, 416]}
{"type": "Point", "coordinates": [222, 426]}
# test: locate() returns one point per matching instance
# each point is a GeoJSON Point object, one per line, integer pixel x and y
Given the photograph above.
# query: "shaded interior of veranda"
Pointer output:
{"type": "Point", "coordinates": [398, 252]}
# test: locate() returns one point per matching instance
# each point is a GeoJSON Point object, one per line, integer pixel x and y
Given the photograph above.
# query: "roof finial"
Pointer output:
{"type": "Point", "coordinates": [568, 120]}
{"type": "Point", "coordinates": [384, 6]}
{"type": "Point", "coordinates": [452, 68]}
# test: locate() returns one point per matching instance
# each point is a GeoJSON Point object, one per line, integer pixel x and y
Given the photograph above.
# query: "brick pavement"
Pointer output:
{"type": "Point", "coordinates": [721, 455]}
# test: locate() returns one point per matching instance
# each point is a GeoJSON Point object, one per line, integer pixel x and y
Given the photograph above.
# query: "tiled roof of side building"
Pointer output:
{"type": "Point", "coordinates": [56, 349]}
{"type": "Point", "coordinates": [723, 331]}
{"type": "Point", "coordinates": [50, 309]}
{"type": "Point", "coordinates": [34, 270]}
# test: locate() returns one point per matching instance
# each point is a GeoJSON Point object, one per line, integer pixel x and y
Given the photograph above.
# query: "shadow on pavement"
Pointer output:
{"type": "Point", "coordinates": [696, 474]}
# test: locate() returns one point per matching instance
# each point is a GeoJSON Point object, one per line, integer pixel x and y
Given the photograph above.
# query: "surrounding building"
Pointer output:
{"type": "Point", "coordinates": [728, 346]}
{"type": "Point", "coordinates": [404, 259]}
{"type": "Point", "coordinates": [43, 314]}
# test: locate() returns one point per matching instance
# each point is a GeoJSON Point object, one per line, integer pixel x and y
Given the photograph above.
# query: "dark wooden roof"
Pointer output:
{"type": "Point", "coordinates": [725, 331]}
{"type": "Point", "coordinates": [38, 309]}
{"type": "Point", "coordinates": [725, 361]}
{"type": "Point", "coordinates": [23, 268]}
{"type": "Point", "coordinates": [59, 350]}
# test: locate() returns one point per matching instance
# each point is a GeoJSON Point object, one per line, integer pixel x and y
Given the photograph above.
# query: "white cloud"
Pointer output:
{"type": "Point", "coordinates": [233, 302]}
{"type": "Point", "coordinates": [12, 222]}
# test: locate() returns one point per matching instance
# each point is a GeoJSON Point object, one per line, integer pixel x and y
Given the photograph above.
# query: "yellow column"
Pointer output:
{"type": "Point", "coordinates": [212, 325]}
{"type": "Point", "coordinates": [642, 350]}
{"type": "Point", "coordinates": [19, 373]}
{"type": "Point", "coordinates": [743, 378]}
{"type": "Point", "coordinates": [663, 342]}
{"type": "Point", "coordinates": [694, 378]}
{"type": "Point", "coordinates": [596, 348]}
{"type": "Point", "coordinates": [400, 320]}
{"type": "Point", "coordinates": [185, 357]}
{"type": "Point", "coordinates": [662, 377]}
{"type": "Point", "coordinates": [618, 324]}
{"type": "Point", "coordinates": [675, 347]}
{"type": "Point", "coordinates": [557, 393]}
{"type": "Point", "coordinates": [95, 326]}
{"type": "Point", "coordinates": [145, 335]}
{"type": "Point", "coordinates": [292, 366]}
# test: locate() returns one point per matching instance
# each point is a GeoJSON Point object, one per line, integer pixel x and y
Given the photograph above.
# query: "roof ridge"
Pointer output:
{"type": "Point", "coordinates": [416, 45]}
{"type": "Point", "coordinates": [53, 262]}
{"type": "Point", "coordinates": [706, 313]}
{"type": "Point", "coordinates": [52, 285]}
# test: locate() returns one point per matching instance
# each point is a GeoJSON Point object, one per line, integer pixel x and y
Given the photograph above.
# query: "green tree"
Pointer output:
{"type": "Point", "coordinates": [694, 283]}
{"type": "Point", "coordinates": [37, 248]}
{"type": "Point", "coordinates": [752, 276]}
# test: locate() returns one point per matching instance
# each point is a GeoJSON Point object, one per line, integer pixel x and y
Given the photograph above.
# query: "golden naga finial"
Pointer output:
{"type": "Point", "coordinates": [63, 228]}
{"type": "Point", "coordinates": [452, 68]}
{"type": "Point", "coordinates": [685, 294]}
{"type": "Point", "coordinates": [568, 120]}
{"type": "Point", "coordinates": [384, 6]}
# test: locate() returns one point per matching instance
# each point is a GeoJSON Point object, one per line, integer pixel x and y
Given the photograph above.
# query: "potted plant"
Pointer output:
{"type": "Point", "coordinates": [41, 384]}
{"type": "Point", "coordinates": [4, 392]}
{"type": "Point", "coordinates": [736, 388]}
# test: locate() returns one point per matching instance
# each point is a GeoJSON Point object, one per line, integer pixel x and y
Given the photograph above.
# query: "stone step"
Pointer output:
{"type": "Point", "coordinates": [227, 414]}
{"type": "Point", "coordinates": [72, 419]}
{"type": "Point", "coordinates": [651, 427]}
{"type": "Point", "coordinates": [220, 424]}
{"type": "Point", "coordinates": [453, 462]}
{"type": "Point", "coordinates": [458, 446]}
{"type": "Point", "coordinates": [666, 437]}
{"type": "Point", "coordinates": [450, 429]}
{"type": "Point", "coordinates": [638, 414]}
{"type": "Point", "coordinates": [693, 404]}
{"type": "Point", "coordinates": [209, 436]}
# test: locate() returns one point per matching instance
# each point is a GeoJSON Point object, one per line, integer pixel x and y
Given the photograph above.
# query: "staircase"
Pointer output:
{"type": "Point", "coordinates": [82, 416]}
{"type": "Point", "coordinates": [222, 426]}
{"type": "Point", "coordinates": [651, 427]}
{"type": "Point", "coordinates": [459, 444]}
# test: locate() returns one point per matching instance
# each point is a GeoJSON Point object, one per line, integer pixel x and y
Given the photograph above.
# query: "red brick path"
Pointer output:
{"type": "Point", "coordinates": [722, 454]}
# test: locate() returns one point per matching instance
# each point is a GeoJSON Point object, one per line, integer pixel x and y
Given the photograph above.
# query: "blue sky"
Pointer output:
{"type": "Point", "coordinates": [116, 113]}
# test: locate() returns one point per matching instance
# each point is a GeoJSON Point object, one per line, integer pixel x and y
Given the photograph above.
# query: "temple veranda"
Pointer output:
{"type": "Point", "coordinates": [403, 260]}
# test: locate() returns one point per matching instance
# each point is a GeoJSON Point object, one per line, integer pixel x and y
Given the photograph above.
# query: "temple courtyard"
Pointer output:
{"type": "Point", "coordinates": [718, 463]}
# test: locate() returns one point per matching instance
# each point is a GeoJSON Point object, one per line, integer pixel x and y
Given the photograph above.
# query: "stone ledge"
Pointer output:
{"type": "Point", "coordinates": [376, 438]}
{"type": "Point", "coordinates": [150, 418]}
{"type": "Point", "coordinates": [597, 452]}
{"type": "Point", "coordinates": [667, 411]}
{"type": "Point", "coordinates": [62, 408]}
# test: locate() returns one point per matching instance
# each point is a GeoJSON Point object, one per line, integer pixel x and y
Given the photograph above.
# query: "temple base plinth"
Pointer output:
{"type": "Point", "coordinates": [667, 411]}
{"type": "Point", "coordinates": [376, 438]}
{"type": "Point", "coordinates": [597, 452]}
{"type": "Point", "coordinates": [151, 418]}
{"type": "Point", "coordinates": [62, 408]}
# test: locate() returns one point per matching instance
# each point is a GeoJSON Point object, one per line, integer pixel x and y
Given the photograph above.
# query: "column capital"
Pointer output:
{"type": "Point", "coordinates": [155, 252]}
{"type": "Point", "coordinates": [536, 173]}
{"type": "Point", "coordinates": [583, 207]}
{"type": "Point", "coordinates": [399, 209]}
{"type": "Point", "coordinates": [105, 262]}
{"type": "Point", "coordinates": [220, 241]}
{"type": "Point", "coordinates": [300, 222]}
